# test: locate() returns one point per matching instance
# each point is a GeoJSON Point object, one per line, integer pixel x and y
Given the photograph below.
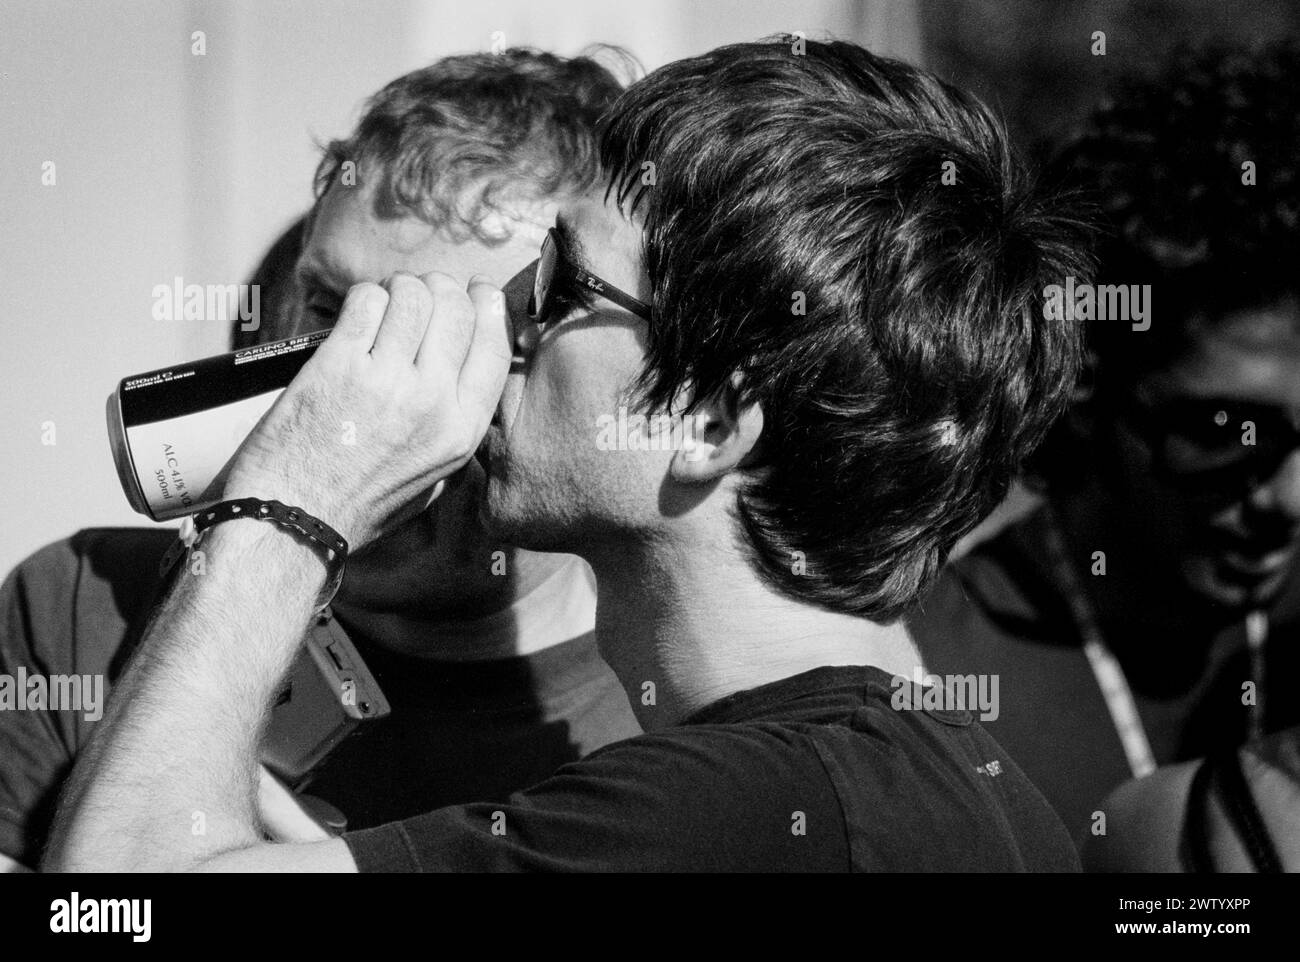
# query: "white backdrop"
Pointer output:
{"type": "Point", "coordinates": [168, 164]}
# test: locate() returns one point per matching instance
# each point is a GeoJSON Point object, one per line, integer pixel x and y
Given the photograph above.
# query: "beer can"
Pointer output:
{"type": "Point", "coordinates": [174, 431]}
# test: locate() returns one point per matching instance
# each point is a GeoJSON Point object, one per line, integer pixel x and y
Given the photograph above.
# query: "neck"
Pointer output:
{"type": "Point", "coordinates": [686, 622]}
{"type": "Point", "coordinates": [551, 602]}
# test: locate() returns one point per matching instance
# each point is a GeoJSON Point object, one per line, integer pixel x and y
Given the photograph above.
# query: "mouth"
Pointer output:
{"type": "Point", "coordinates": [1254, 564]}
{"type": "Point", "coordinates": [1255, 553]}
{"type": "Point", "coordinates": [1257, 565]}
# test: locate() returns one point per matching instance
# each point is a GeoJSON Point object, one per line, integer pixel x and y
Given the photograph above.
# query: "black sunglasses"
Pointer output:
{"type": "Point", "coordinates": [553, 266]}
{"type": "Point", "coordinates": [1216, 441]}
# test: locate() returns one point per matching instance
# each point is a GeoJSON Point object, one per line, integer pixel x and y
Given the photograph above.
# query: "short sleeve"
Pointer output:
{"type": "Point", "coordinates": [69, 609]}
{"type": "Point", "coordinates": [35, 745]}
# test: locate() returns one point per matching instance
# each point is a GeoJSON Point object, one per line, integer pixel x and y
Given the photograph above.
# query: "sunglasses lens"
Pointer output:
{"type": "Point", "coordinates": [542, 282]}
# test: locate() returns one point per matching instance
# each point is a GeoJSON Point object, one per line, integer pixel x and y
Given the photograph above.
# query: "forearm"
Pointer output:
{"type": "Point", "coordinates": [419, 366]}
{"type": "Point", "coordinates": [170, 778]}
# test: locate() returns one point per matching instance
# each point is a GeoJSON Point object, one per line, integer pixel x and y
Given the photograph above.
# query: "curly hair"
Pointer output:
{"type": "Point", "coordinates": [449, 140]}
{"type": "Point", "coordinates": [900, 401]}
{"type": "Point", "coordinates": [1168, 160]}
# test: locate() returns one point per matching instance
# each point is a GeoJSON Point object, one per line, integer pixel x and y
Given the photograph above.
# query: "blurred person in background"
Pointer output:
{"type": "Point", "coordinates": [485, 653]}
{"type": "Point", "coordinates": [1148, 611]}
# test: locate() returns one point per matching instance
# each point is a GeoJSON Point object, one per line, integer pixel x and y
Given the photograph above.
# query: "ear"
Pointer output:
{"type": "Point", "coordinates": [717, 438]}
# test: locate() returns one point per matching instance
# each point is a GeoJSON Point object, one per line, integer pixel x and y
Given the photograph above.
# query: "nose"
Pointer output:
{"type": "Point", "coordinates": [1280, 494]}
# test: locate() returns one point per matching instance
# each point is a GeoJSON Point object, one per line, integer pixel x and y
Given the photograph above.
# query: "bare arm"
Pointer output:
{"type": "Point", "coordinates": [183, 728]}
{"type": "Point", "coordinates": [170, 780]}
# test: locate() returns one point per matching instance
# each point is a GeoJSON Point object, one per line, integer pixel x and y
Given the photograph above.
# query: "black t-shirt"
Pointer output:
{"type": "Point", "coordinates": [817, 772]}
{"type": "Point", "coordinates": [458, 731]}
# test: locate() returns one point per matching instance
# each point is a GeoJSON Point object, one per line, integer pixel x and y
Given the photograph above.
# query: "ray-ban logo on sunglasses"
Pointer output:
{"type": "Point", "coordinates": [592, 282]}
{"type": "Point", "coordinates": [554, 265]}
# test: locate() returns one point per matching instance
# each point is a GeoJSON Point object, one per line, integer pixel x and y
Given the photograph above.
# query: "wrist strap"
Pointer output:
{"type": "Point", "coordinates": [331, 545]}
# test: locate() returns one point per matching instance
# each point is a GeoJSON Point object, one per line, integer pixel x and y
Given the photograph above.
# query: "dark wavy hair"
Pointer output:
{"type": "Point", "coordinates": [1163, 160]}
{"type": "Point", "coordinates": [901, 402]}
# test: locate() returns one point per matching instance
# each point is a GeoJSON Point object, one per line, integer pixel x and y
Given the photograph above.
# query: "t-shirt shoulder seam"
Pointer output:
{"type": "Point", "coordinates": [839, 802]}
{"type": "Point", "coordinates": [411, 851]}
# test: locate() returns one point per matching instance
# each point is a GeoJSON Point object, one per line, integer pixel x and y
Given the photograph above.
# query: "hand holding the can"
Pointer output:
{"type": "Point", "coordinates": [397, 398]}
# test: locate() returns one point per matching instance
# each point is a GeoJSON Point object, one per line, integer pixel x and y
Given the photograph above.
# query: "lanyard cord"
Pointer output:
{"type": "Point", "coordinates": [1256, 639]}
{"type": "Point", "coordinates": [1105, 666]}
{"type": "Point", "coordinates": [1110, 675]}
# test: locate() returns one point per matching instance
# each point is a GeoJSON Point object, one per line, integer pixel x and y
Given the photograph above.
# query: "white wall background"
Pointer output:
{"type": "Point", "coordinates": [169, 164]}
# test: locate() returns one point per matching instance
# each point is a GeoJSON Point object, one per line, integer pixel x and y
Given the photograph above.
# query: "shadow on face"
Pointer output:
{"type": "Point", "coordinates": [1204, 455]}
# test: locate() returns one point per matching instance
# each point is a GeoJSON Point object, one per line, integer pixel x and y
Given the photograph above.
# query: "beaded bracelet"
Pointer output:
{"type": "Point", "coordinates": [334, 547]}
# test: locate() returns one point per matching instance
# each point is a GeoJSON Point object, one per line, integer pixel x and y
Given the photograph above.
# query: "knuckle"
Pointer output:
{"type": "Point", "coordinates": [445, 292]}
{"type": "Point", "coordinates": [367, 292]}
{"type": "Point", "coordinates": [409, 291]}
{"type": "Point", "coordinates": [401, 281]}
{"type": "Point", "coordinates": [439, 282]}
{"type": "Point", "coordinates": [364, 303]}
